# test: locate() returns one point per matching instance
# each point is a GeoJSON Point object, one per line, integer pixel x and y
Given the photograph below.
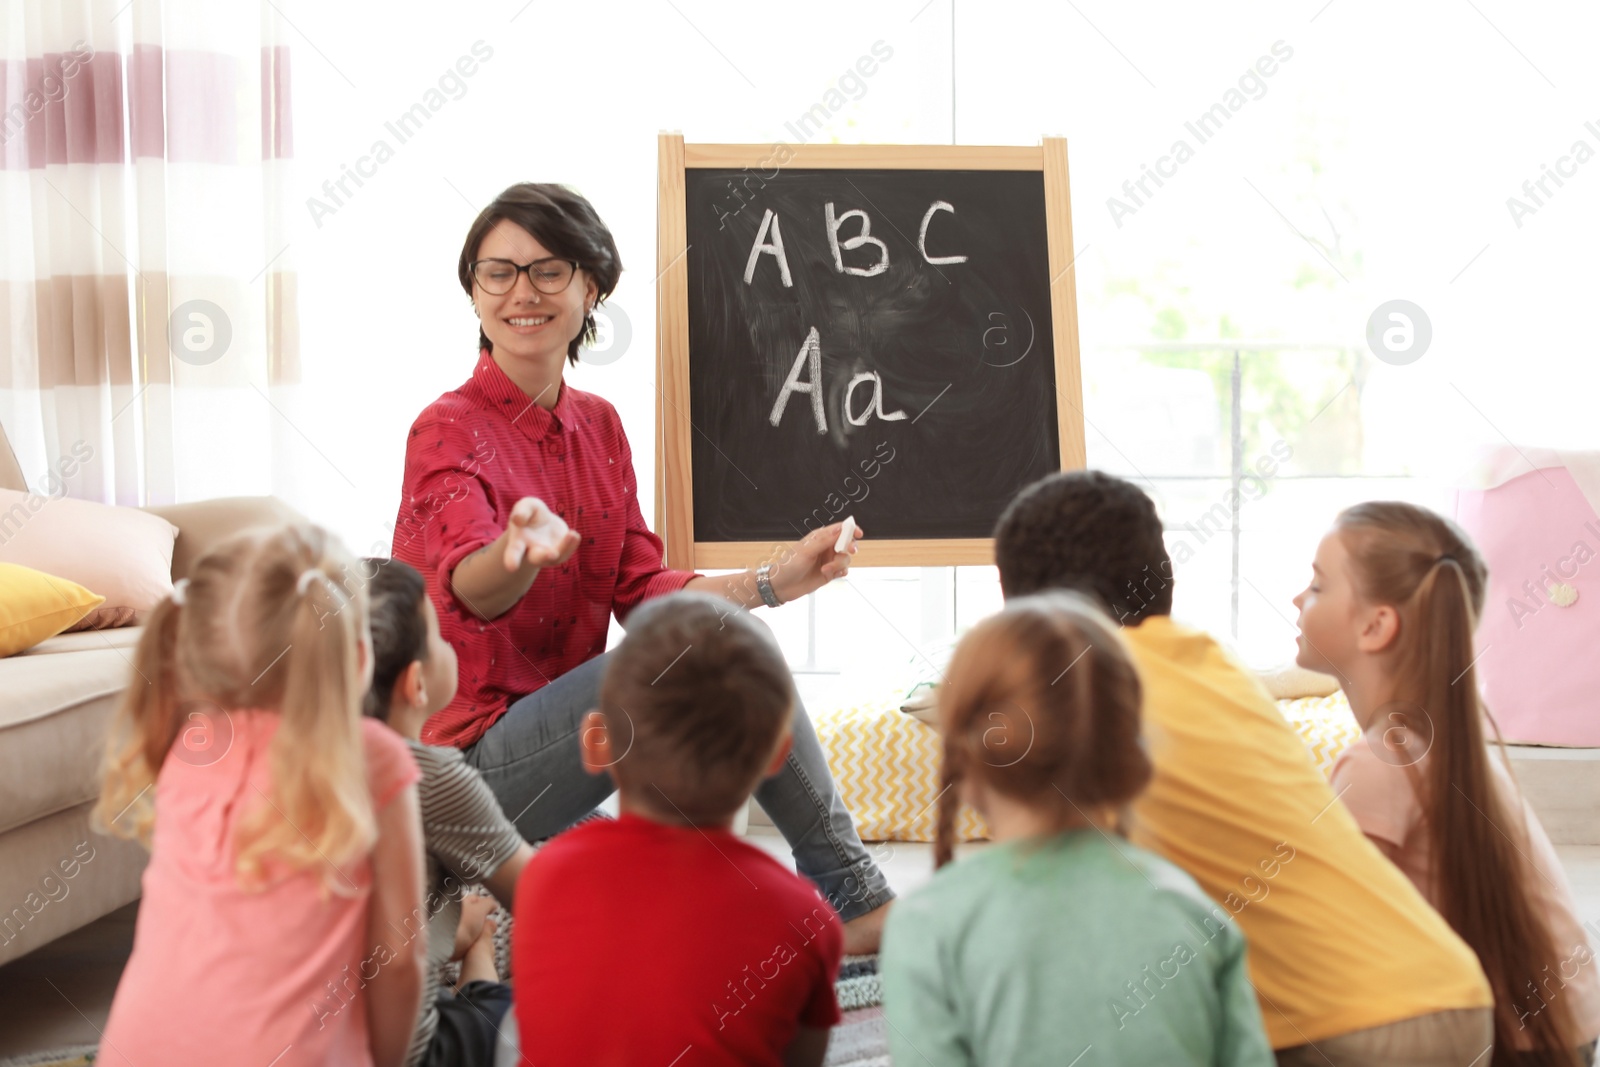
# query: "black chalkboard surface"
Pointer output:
{"type": "Point", "coordinates": [876, 341]}
{"type": "Point", "coordinates": [966, 414]}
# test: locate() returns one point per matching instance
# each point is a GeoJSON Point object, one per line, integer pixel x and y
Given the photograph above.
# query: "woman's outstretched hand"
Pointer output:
{"type": "Point", "coordinates": [492, 579]}
{"type": "Point", "coordinates": [537, 536]}
{"type": "Point", "coordinates": [812, 562]}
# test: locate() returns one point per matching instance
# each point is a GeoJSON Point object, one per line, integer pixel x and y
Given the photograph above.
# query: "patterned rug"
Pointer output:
{"type": "Point", "coordinates": [860, 1039]}
{"type": "Point", "coordinates": [77, 1056]}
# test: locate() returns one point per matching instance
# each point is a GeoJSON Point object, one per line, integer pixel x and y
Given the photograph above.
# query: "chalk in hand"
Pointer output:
{"type": "Point", "coordinates": [544, 528]}
{"type": "Point", "coordinates": [846, 534]}
{"type": "Point", "coordinates": [550, 530]}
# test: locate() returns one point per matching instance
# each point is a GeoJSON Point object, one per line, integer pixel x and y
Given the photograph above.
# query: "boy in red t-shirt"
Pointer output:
{"type": "Point", "coordinates": [661, 938]}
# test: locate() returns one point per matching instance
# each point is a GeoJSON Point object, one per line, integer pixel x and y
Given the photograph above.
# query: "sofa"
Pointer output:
{"type": "Point", "coordinates": [56, 700]}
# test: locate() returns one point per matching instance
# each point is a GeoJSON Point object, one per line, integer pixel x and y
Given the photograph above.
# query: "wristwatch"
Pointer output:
{"type": "Point", "coordinates": [764, 585]}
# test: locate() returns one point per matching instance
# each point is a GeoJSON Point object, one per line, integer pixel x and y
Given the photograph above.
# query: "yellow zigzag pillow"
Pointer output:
{"type": "Point", "coordinates": [885, 763]}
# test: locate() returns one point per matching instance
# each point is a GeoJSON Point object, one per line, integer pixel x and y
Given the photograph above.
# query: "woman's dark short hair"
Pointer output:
{"type": "Point", "coordinates": [563, 222]}
{"type": "Point", "coordinates": [1089, 531]}
{"type": "Point", "coordinates": [395, 593]}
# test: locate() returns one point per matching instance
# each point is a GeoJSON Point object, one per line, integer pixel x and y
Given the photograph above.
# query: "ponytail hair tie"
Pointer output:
{"type": "Point", "coordinates": [179, 591]}
{"type": "Point", "coordinates": [306, 578]}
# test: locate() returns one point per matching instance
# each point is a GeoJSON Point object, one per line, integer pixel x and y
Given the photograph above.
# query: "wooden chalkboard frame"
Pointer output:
{"type": "Point", "coordinates": [674, 432]}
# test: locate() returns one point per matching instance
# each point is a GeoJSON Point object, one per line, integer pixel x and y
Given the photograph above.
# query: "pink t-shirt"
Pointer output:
{"type": "Point", "coordinates": [1378, 791]}
{"type": "Point", "coordinates": [220, 973]}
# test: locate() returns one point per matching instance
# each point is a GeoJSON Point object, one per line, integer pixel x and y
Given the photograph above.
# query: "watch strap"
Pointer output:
{"type": "Point", "coordinates": [764, 586]}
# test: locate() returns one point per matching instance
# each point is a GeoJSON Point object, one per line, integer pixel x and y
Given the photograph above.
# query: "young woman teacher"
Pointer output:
{"type": "Point", "coordinates": [520, 507]}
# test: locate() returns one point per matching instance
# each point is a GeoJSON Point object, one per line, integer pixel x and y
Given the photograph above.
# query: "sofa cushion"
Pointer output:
{"type": "Point", "coordinates": [60, 696]}
{"type": "Point", "coordinates": [59, 875]}
{"type": "Point", "coordinates": [126, 637]}
{"type": "Point", "coordinates": [35, 606]}
{"type": "Point", "coordinates": [123, 554]}
{"type": "Point", "coordinates": [204, 523]}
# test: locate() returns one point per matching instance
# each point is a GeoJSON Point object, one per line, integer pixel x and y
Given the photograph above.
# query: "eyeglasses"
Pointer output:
{"type": "Point", "coordinates": [498, 277]}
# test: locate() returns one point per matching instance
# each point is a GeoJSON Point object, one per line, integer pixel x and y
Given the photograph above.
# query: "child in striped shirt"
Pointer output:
{"type": "Point", "coordinates": [467, 837]}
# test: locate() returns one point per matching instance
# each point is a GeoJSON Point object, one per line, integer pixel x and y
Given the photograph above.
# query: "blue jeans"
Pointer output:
{"type": "Point", "coordinates": [530, 760]}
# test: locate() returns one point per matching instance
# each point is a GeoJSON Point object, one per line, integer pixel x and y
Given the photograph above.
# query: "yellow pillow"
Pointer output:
{"type": "Point", "coordinates": [35, 606]}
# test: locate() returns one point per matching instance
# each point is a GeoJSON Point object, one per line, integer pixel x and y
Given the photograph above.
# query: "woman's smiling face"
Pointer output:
{"type": "Point", "coordinates": [523, 323]}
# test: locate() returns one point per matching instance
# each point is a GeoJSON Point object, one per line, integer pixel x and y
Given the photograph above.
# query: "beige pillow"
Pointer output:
{"type": "Point", "coordinates": [923, 705]}
{"type": "Point", "coordinates": [1294, 682]}
{"type": "Point", "coordinates": [122, 554]}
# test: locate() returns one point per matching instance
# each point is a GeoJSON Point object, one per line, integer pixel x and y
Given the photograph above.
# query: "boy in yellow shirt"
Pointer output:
{"type": "Point", "coordinates": [1351, 964]}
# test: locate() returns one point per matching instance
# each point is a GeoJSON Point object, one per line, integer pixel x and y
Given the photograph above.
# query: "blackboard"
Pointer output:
{"type": "Point", "coordinates": [875, 341]}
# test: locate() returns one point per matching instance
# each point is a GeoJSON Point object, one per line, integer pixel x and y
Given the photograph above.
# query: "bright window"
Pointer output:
{"type": "Point", "coordinates": [1224, 311]}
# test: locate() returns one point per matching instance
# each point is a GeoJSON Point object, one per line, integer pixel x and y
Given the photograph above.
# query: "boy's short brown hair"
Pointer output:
{"type": "Point", "coordinates": [696, 699]}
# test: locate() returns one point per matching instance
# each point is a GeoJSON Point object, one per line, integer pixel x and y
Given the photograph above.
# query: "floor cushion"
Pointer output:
{"type": "Point", "coordinates": [885, 763]}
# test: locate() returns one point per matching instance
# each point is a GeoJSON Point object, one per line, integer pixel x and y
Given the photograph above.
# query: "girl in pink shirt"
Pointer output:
{"type": "Point", "coordinates": [281, 911]}
{"type": "Point", "coordinates": [1395, 595]}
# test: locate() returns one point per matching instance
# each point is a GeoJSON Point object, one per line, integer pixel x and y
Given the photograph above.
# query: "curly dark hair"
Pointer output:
{"type": "Point", "coordinates": [566, 224]}
{"type": "Point", "coordinates": [1089, 531]}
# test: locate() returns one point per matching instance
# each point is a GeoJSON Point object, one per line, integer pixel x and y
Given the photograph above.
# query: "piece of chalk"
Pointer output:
{"type": "Point", "coordinates": [549, 531]}
{"type": "Point", "coordinates": [846, 535]}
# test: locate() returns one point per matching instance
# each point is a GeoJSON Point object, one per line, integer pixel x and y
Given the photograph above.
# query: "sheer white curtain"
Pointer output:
{"type": "Point", "coordinates": [148, 304]}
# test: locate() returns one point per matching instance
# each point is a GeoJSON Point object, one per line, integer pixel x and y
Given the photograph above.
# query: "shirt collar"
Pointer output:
{"type": "Point", "coordinates": [502, 394]}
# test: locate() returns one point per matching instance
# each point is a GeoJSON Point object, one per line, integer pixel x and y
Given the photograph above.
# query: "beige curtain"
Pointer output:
{"type": "Point", "coordinates": [147, 290]}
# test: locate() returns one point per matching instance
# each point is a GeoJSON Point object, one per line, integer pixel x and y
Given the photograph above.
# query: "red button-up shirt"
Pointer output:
{"type": "Point", "coordinates": [472, 454]}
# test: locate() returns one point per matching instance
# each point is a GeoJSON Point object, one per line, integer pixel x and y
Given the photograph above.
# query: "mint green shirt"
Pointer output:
{"type": "Point", "coordinates": [1073, 949]}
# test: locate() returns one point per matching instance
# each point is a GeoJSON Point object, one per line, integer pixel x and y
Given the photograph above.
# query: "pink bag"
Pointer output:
{"type": "Point", "coordinates": [1539, 531]}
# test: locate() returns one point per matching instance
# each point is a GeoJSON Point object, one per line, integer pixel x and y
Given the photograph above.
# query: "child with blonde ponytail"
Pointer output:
{"type": "Point", "coordinates": [283, 896]}
{"type": "Point", "coordinates": [1395, 595]}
